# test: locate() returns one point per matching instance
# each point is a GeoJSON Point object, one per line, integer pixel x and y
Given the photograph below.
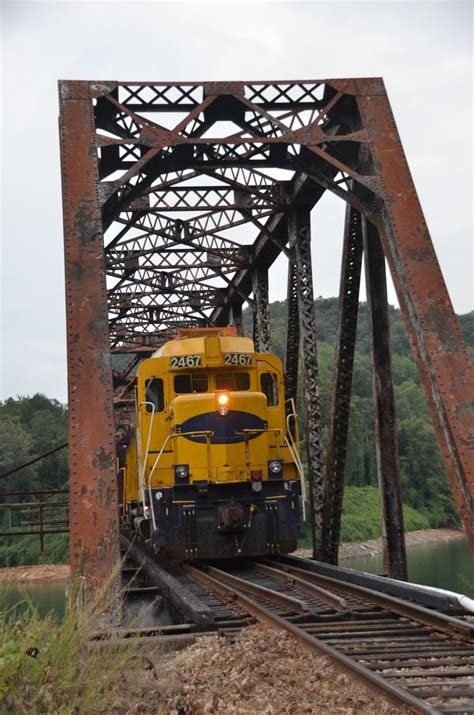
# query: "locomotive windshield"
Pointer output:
{"type": "Point", "coordinates": [186, 384]}
{"type": "Point", "coordinates": [154, 394]}
{"type": "Point", "coordinates": [233, 381]}
{"type": "Point", "coordinates": [190, 383]}
{"type": "Point", "coordinates": [269, 387]}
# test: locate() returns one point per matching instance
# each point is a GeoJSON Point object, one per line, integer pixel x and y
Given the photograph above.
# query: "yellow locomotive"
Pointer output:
{"type": "Point", "coordinates": [212, 469]}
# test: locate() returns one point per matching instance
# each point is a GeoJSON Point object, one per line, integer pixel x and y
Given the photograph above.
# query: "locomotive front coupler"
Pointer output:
{"type": "Point", "coordinates": [231, 518]}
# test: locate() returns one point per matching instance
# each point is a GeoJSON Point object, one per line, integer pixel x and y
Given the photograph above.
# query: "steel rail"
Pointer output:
{"type": "Point", "coordinates": [336, 602]}
{"type": "Point", "coordinates": [373, 681]}
{"type": "Point", "coordinates": [279, 599]}
{"type": "Point", "coordinates": [454, 627]}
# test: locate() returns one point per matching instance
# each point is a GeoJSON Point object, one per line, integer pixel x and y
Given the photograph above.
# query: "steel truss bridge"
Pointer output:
{"type": "Point", "coordinates": [178, 198]}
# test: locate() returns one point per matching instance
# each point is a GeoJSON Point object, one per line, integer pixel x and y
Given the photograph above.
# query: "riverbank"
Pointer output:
{"type": "Point", "coordinates": [39, 572]}
{"type": "Point", "coordinates": [352, 550]}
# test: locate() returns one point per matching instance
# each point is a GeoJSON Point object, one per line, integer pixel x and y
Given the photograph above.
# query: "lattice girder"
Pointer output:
{"type": "Point", "coordinates": [187, 189]}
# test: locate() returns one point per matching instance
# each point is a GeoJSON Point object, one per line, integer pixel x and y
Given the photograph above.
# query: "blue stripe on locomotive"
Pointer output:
{"type": "Point", "coordinates": [225, 428]}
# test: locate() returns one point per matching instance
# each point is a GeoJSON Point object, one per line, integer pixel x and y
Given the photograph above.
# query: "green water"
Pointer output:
{"type": "Point", "coordinates": [446, 565]}
{"type": "Point", "coordinates": [46, 596]}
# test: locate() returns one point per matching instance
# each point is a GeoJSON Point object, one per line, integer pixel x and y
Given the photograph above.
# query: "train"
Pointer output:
{"type": "Point", "coordinates": [212, 467]}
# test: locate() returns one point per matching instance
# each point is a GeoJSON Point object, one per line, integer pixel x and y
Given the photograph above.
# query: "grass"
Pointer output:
{"type": "Point", "coordinates": [48, 666]}
{"type": "Point", "coordinates": [361, 517]}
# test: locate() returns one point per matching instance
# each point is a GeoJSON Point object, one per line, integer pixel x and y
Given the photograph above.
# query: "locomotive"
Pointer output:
{"type": "Point", "coordinates": [212, 469]}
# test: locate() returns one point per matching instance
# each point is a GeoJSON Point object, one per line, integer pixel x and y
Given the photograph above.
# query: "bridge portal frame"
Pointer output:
{"type": "Point", "coordinates": [335, 134]}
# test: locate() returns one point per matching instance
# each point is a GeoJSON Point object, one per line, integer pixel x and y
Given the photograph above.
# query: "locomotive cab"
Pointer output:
{"type": "Point", "coordinates": [212, 470]}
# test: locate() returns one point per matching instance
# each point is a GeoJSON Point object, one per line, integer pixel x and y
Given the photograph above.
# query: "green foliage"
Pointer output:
{"type": "Point", "coordinates": [25, 550]}
{"type": "Point", "coordinates": [15, 448]}
{"type": "Point", "coordinates": [48, 666]}
{"type": "Point", "coordinates": [30, 426]}
{"type": "Point", "coordinates": [361, 515]}
{"type": "Point", "coordinates": [467, 327]}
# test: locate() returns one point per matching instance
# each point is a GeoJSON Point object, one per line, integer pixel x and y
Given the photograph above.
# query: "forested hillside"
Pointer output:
{"type": "Point", "coordinates": [424, 483]}
{"type": "Point", "coordinates": [30, 426]}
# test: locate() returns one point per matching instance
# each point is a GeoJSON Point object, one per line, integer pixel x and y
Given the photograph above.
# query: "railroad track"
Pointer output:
{"type": "Point", "coordinates": [413, 655]}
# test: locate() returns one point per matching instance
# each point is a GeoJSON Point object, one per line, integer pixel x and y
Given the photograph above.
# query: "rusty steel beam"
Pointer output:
{"type": "Point", "coordinates": [268, 244]}
{"type": "Point", "coordinates": [261, 312]}
{"type": "Point", "coordinates": [440, 354]}
{"type": "Point", "coordinates": [386, 438]}
{"type": "Point", "coordinates": [93, 510]}
{"type": "Point", "coordinates": [292, 348]}
{"type": "Point", "coordinates": [235, 317]}
{"type": "Point", "coordinates": [342, 383]}
{"type": "Point", "coordinates": [299, 231]}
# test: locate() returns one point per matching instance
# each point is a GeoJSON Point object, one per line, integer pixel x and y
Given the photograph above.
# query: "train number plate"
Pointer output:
{"type": "Point", "coordinates": [183, 361]}
{"type": "Point", "coordinates": [240, 359]}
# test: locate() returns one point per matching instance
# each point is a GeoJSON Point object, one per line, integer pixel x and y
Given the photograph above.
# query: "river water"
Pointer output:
{"type": "Point", "coordinates": [446, 565]}
{"type": "Point", "coordinates": [47, 596]}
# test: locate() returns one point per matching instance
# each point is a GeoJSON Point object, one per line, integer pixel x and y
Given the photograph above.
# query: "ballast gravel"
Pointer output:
{"type": "Point", "coordinates": [258, 671]}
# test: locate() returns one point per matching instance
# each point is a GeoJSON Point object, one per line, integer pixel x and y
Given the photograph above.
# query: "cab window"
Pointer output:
{"type": "Point", "coordinates": [154, 393]}
{"type": "Point", "coordinates": [232, 381]}
{"type": "Point", "coordinates": [185, 384]}
{"type": "Point", "coordinates": [269, 387]}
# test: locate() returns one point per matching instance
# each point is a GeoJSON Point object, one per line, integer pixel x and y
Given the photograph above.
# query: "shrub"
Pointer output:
{"type": "Point", "coordinates": [25, 550]}
{"type": "Point", "coordinates": [52, 667]}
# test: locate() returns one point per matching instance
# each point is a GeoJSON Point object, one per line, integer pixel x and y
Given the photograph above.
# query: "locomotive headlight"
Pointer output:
{"type": "Point", "coordinates": [181, 471]}
{"type": "Point", "coordinates": [223, 403]}
{"type": "Point", "coordinates": [274, 467]}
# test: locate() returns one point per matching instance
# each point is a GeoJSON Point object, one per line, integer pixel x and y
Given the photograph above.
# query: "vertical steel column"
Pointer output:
{"type": "Point", "coordinates": [235, 317]}
{"type": "Point", "coordinates": [94, 516]}
{"type": "Point", "coordinates": [342, 383]}
{"type": "Point", "coordinates": [292, 334]}
{"type": "Point", "coordinates": [300, 242]}
{"type": "Point", "coordinates": [386, 439]}
{"type": "Point", "coordinates": [443, 363]}
{"type": "Point", "coordinates": [261, 315]}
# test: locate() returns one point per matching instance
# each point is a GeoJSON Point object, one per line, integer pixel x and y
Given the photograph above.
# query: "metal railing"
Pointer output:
{"type": "Point", "coordinates": [35, 513]}
{"type": "Point", "coordinates": [174, 435]}
{"type": "Point", "coordinates": [289, 442]}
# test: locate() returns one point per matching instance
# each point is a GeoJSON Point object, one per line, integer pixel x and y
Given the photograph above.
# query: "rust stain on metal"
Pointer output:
{"type": "Point", "coordinates": [94, 530]}
{"type": "Point", "coordinates": [442, 360]}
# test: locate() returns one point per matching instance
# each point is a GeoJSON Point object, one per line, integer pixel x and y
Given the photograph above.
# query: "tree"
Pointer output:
{"type": "Point", "coordinates": [15, 448]}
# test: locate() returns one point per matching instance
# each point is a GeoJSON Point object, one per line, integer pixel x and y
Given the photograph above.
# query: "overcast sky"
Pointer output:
{"type": "Point", "coordinates": [423, 50]}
